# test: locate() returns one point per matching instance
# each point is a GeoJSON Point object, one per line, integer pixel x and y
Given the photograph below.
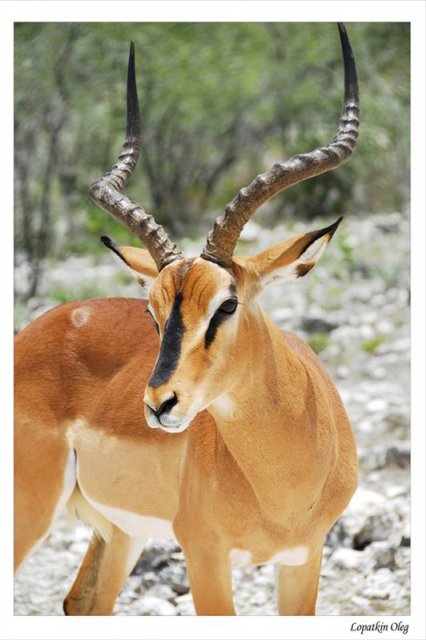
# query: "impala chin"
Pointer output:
{"type": "Point", "coordinates": [174, 424]}
{"type": "Point", "coordinates": [168, 423]}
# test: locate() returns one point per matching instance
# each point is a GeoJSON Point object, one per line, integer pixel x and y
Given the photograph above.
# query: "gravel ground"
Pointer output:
{"type": "Point", "coordinates": [354, 310]}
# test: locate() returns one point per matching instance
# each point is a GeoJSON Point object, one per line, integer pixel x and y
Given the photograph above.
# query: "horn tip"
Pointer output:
{"type": "Point", "coordinates": [334, 226]}
{"type": "Point", "coordinates": [108, 242]}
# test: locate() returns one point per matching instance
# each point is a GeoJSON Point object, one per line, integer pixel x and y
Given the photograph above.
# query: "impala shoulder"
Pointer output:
{"type": "Point", "coordinates": [303, 350]}
{"type": "Point", "coordinates": [313, 365]}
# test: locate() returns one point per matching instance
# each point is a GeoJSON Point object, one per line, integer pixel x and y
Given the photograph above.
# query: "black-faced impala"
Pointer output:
{"type": "Point", "coordinates": [221, 430]}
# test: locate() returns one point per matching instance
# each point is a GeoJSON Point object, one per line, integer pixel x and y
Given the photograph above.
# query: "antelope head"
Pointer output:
{"type": "Point", "coordinates": [205, 308]}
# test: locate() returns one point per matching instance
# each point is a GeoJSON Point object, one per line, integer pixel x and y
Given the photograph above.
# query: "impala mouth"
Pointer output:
{"type": "Point", "coordinates": [166, 422]}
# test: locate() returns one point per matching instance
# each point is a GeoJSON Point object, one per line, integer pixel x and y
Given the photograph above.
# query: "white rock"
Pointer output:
{"type": "Point", "coordinates": [363, 504]}
{"type": "Point", "coordinates": [377, 373]}
{"type": "Point", "coordinates": [345, 558]}
{"type": "Point", "coordinates": [163, 591]}
{"type": "Point", "coordinates": [343, 372]}
{"type": "Point", "coordinates": [403, 345]}
{"type": "Point", "coordinates": [396, 490]}
{"type": "Point", "coordinates": [282, 315]}
{"type": "Point", "coordinates": [360, 601]}
{"type": "Point", "coordinates": [185, 605]}
{"type": "Point", "coordinates": [153, 606]}
{"type": "Point", "coordinates": [385, 326]}
{"type": "Point", "coordinates": [251, 232]}
{"type": "Point", "coordinates": [382, 554]}
{"type": "Point", "coordinates": [376, 405]}
{"type": "Point", "coordinates": [381, 585]}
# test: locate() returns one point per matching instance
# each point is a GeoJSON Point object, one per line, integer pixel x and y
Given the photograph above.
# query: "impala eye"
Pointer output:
{"type": "Point", "coordinates": [229, 306]}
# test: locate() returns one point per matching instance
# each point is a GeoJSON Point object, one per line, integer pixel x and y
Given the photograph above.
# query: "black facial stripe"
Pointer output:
{"type": "Point", "coordinates": [170, 346]}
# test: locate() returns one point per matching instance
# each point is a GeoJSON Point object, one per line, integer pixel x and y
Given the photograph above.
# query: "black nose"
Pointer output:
{"type": "Point", "coordinates": [166, 406]}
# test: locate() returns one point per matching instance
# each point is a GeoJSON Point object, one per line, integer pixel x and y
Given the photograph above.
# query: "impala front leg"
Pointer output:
{"type": "Point", "coordinates": [297, 586]}
{"type": "Point", "coordinates": [210, 577]}
{"type": "Point", "coordinates": [209, 569]}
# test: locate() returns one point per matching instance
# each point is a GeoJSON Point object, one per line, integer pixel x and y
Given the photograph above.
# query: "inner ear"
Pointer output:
{"type": "Point", "coordinates": [138, 260]}
{"type": "Point", "coordinates": [293, 258]}
{"type": "Point", "coordinates": [315, 239]}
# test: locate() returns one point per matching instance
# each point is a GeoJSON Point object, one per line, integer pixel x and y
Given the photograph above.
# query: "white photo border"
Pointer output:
{"type": "Point", "coordinates": [327, 627]}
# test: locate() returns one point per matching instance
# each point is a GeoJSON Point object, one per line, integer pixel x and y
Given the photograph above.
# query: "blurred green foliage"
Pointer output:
{"type": "Point", "coordinates": [371, 345]}
{"type": "Point", "coordinates": [83, 291]}
{"type": "Point", "coordinates": [220, 103]}
{"type": "Point", "coordinates": [318, 342]}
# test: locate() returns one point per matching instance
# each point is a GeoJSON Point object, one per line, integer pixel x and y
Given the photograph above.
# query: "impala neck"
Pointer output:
{"type": "Point", "coordinates": [267, 421]}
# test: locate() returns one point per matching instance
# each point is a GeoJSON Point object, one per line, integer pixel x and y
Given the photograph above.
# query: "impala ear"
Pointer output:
{"type": "Point", "coordinates": [294, 258]}
{"type": "Point", "coordinates": [138, 260]}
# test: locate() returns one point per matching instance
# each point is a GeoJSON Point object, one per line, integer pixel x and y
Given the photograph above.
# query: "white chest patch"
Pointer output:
{"type": "Point", "coordinates": [224, 405]}
{"type": "Point", "coordinates": [293, 557]}
{"type": "Point", "coordinates": [240, 558]}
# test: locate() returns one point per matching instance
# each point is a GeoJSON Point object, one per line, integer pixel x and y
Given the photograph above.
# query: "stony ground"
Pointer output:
{"type": "Point", "coordinates": [354, 310]}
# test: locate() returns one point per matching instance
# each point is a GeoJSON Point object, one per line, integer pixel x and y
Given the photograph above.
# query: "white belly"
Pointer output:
{"type": "Point", "coordinates": [134, 524]}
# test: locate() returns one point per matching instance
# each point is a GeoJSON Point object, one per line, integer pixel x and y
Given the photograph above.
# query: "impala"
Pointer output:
{"type": "Point", "coordinates": [221, 430]}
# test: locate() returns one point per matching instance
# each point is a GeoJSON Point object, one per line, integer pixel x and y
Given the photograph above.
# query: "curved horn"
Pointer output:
{"type": "Point", "coordinates": [106, 191]}
{"type": "Point", "coordinates": [222, 239]}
